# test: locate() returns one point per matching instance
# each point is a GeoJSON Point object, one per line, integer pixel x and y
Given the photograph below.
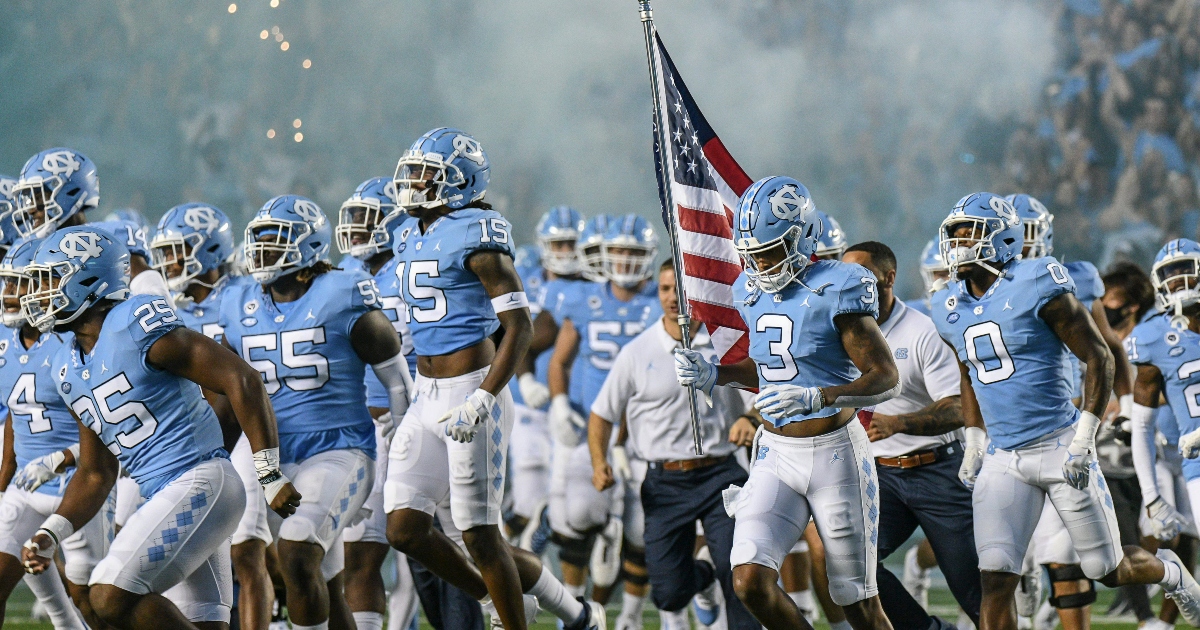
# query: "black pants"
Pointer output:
{"type": "Point", "coordinates": [933, 498]}
{"type": "Point", "coordinates": [673, 502]}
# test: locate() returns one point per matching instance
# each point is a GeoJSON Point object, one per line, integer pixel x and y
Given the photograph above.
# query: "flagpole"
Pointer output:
{"type": "Point", "coordinates": [667, 199]}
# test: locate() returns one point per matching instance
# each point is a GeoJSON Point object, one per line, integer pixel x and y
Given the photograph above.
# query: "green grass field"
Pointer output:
{"type": "Point", "coordinates": [940, 602]}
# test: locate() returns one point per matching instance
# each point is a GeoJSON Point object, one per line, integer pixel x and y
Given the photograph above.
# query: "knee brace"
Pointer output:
{"type": "Point", "coordinates": [574, 551]}
{"type": "Point", "coordinates": [1070, 573]}
{"type": "Point", "coordinates": [637, 558]}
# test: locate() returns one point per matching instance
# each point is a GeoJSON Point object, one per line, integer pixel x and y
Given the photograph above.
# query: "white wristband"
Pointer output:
{"type": "Point", "coordinates": [74, 448]}
{"type": "Point", "coordinates": [510, 302]}
{"type": "Point", "coordinates": [58, 528]}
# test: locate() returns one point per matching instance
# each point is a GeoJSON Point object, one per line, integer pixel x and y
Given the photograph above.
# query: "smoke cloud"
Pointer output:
{"type": "Point", "coordinates": [888, 111]}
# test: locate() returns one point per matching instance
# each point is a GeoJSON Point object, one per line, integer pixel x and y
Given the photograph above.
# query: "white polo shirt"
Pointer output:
{"type": "Point", "coordinates": [642, 385]}
{"type": "Point", "coordinates": [928, 373]}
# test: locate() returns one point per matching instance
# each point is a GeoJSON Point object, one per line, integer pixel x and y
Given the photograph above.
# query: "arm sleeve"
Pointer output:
{"type": "Point", "coordinates": [1051, 280]}
{"type": "Point", "coordinates": [939, 366]}
{"type": "Point", "coordinates": [1144, 454]}
{"type": "Point", "coordinates": [618, 387]}
{"type": "Point", "coordinates": [858, 293]}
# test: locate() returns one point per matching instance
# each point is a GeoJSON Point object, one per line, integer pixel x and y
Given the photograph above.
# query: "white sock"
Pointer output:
{"type": "Point", "coordinates": [368, 620]}
{"type": "Point", "coordinates": [833, 625]}
{"type": "Point", "coordinates": [804, 599]}
{"type": "Point", "coordinates": [556, 598]}
{"type": "Point", "coordinates": [1171, 576]}
{"type": "Point", "coordinates": [52, 593]}
{"type": "Point", "coordinates": [575, 591]}
{"type": "Point", "coordinates": [631, 605]}
{"type": "Point", "coordinates": [324, 625]}
{"type": "Point", "coordinates": [677, 620]}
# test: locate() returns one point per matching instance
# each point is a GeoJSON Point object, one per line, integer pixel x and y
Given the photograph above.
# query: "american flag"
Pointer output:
{"type": "Point", "coordinates": [705, 183]}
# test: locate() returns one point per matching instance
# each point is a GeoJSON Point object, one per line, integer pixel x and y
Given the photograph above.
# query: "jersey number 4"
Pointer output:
{"type": "Point", "coordinates": [21, 402]}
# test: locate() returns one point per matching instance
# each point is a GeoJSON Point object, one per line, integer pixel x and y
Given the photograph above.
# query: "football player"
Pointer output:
{"type": "Point", "coordinates": [1071, 592]}
{"type": "Point", "coordinates": [833, 239]}
{"type": "Point", "coordinates": [1012, 323]}
{"type": "Point", "coordinates": [144, 279]}
{"type": "Point", "coordinates": [130, 376]}
{"type": "Point", "coordinates": [311, 330]}
{"type": "Point", "coordinates": [459, 286]}
{"type": "Point", "coordinates": [43, 442]}
{"type": "Point", "coordinates": [8, 206]}
{"type": "Point", "coordinates": [364, 232]}
{"type": "Point", "coordinates": [57, 187]}
{"type": "Point", "coordinates": [598, 319]}
{"type": "Point", "coordinates": [530, 448]}
{"type": "Point", "coordinates": [817, 354]}
{"type": "Point", "coordinates": [190, 246]}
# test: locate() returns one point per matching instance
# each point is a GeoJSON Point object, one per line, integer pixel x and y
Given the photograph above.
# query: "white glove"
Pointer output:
{"type": "Point", "coordinates": [691, 368]}
{"type": "Point", "coordinates": [535, 394]}
{"type": "Point", "coordinates": [620, 463]}
{"type": "Point", "coordinates": [464, 420]}
{"type": "Point", "coordinates": [777, 402]}
{"type": "Point", "coordinates": [39, 471]}
{"type": "Point", "coordinates": [1189, 444]}
{"type": "Point", "coordinates": [1165, 520]}
{"type": "Point", "coordinates": [386, 425]}
{"type": "Point", "coordinates": [564, 421]}
{"type": "Point", "coordinates": [1081, 453]}
{"type": "Point", "coordinates": [972, 456]}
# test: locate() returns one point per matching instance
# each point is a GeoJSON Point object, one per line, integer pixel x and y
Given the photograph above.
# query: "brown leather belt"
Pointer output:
{"type": "Point", "coordinates": [684, 465]}
{"type": "Point", "coordinates": [919, 458]}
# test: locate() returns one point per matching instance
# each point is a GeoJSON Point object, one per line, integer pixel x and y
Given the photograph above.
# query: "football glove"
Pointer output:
{"type": "Point", "coordinates": [972, 456]}
{"type": "Point", "coordinates": [536, 395]}
{"type": "Point", "coordinates": [1189, 444]}
{"type": "Point", "coordinates": [1081, 453]}
{"type": "Point", "coordinates": [691, 368]}
{"type": "Point", "coordinates": [463, 421]}
{"type": "Point", "coordinates": [387, 426]}
{"type": "Point", "coordinates": [39, 471]}
{"type": "Point", "coordinates": [565, 423]}
{"type": "Point", "coordinates": [1165, 520]}
{"type": "Point", "coordinates": [787, 401]}
{"type": "Point", "coordinates": [620, 463]}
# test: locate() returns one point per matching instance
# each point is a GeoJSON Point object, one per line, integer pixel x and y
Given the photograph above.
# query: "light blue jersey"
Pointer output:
{"type": "Point", "coordinates": [1176, 354]}
{"type": "Point", "coordinates": [388, 287]}
{"type": "Point", "coordinates": [157, 424]}
{"type": "Point", "coordinates": [203, 316]}
{"type": "Point", "coordinates": [533, 279]}
{"type": "Point", "coordinates": [302, 349]}
{"type": "Point", "coordinates": [793, 338]}
{"type": "Point", "coordinates": [42, 423]}
{"type": "Point", "coordinates": [1088, 288]}
{"type": "Point", "coordinates": [605, 324]}
{"type": "Point", "coordinates": [448, 308]}
{"type": "Point", "coordinates": [549, 296]}
{"type": "Point", "coordinates": [1166, 424]}
{"type": "Point", "coordinates": [1018, 366]}
{"type": "Point", "coordinates": [921, 306]}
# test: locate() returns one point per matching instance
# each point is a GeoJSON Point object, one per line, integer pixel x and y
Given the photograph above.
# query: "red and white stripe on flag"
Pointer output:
{"type": "Point", "coordinates": [705, 183]}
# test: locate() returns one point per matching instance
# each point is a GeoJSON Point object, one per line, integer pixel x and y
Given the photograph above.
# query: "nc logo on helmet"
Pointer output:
{"type": "Point", "coordinates": [307, 210]}
{"type": "Point", "coordinates": [469, 148]}
{"type": "Point", "coordinates": [60, 163]}
{"type": "Point", "coordinates": [389, 191]}
{"type": "Point", "coordinates": [6, 186]}
{"type": "Point", "coordinates": [787, 203]}
{"type": "Point", "coordinates": [202, 219]}
{"type": "Point", "coordinates": [82, 245]}
{"type": "Point", "coordinates": [1004, 209]}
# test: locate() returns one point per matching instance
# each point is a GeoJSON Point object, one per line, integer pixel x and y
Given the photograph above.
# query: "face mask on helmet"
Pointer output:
{"type": "Point", "coordinates": [171, 256]}
{"type": "Point", "coordinates": [361, 230]}
{"type": "Point", "coordinates": [559, 256]}
{"type": "Point", "coordinates": [37, 213]}
{"type": "Point", "coordinates": [1035, 239]}
{"type": "Point", "coordinates": [272, 247]}
{"type": "Point", "coordinates": [775, 264]}
{"type": "Point", "coordinates": [966, 241]}
{"type": "Point", "coordinates": [1177, 283]}
{"type": "Point", "coordinates": [42, 305]}
{"type": "Point", "coordinates": [627, 265]}
{"type": "Point", "coordinates": [13, 285]}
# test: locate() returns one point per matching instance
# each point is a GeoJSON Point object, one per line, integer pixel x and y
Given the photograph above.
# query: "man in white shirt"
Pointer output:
{"type": "Point", "coordinates": [915, 441]}
{"type": "Point", "coordinates": [680, 487]}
